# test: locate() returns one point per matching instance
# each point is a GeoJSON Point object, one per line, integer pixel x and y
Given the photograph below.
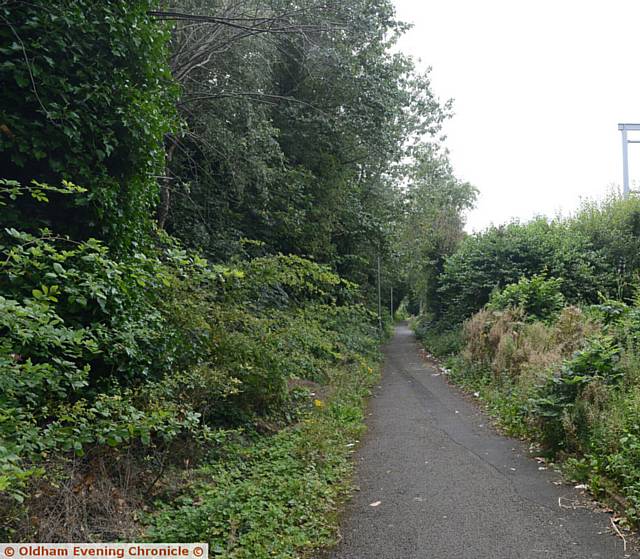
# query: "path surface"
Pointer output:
{"type": "Point", "coordinates": [450, 487]}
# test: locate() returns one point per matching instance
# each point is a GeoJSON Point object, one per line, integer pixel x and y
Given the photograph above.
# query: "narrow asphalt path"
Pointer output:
{"type": "Point", "coordinates": [449, 486]}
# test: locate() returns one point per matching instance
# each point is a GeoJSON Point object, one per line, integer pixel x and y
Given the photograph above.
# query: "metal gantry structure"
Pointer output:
{"type": "Point", "coordinates": [625, 128]}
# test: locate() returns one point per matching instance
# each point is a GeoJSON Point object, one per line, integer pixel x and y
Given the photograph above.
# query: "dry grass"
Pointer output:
{"type": "Point", "coordinates": [571, 329]}
{"type": "Point", "coordinates": [521, 351]}
{"type": "Point", "coordinates": [88, 499]}
{"type": "Point", "coordinates": [476, 335]}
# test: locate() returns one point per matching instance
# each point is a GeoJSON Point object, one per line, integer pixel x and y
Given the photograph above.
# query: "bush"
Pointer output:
{"type": "Point", "coordinates": [82, 348]}
{"type": "Point", "coordinates": [594, 252]}
{"type": "Point", "coordinates": [613, 229]}
{"type": "Point", "coordinates": [510, 360]}
{"type": "Point", "coordinates": [503, 255]}
{"type": "Point", "coordinates": [440, 342]}
{"type": "Point", "coordinates": [558, 406]}
{"type": "Point", "coordinates": [538, 297]}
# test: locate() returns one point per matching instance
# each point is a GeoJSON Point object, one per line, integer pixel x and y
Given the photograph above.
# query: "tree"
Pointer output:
{"type": "Point", "coordinates": [433, 224]}
{"type": "Point", "coordinates": [297, 129]}
{"type": "Point", "coordinates": [88, 97]}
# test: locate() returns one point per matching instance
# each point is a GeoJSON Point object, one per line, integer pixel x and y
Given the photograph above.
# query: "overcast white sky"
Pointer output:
{"type": "Point", "coordinates": [539, 89]}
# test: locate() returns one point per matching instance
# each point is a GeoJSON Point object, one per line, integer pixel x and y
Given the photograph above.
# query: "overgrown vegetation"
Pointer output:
{"type": "Point", "coordinates": [192, 214]}
{"type": "Point", "coordinates": [550, 337]}
{"type": "Point", "coordinates": [280, 496]}
{"type": "Point", "coordinates": [150, 360]}
{"type": "Point", "coordinates": [87, 96]}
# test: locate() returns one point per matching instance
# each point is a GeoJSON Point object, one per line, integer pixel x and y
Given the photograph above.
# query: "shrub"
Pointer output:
{"type": "Point", "coordinates": [538, 297]}
{"type": "Point", "coordinates": [82, 347]}
{"type": "Point", "coordinates": [595, 252]}
{"type": "Point", "coordinates": [503, 255]}
{"type": "Point", "coordinates": [613, 229]}
{"type": "Point", "coordinates": [558, 406]}
{"type": "Point", "coordinates": [439, 340]}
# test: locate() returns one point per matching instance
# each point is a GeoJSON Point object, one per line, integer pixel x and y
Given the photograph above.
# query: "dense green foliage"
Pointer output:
{"type": "Point", "coordinates": [502, 255]}
{"type": "Point", "coordinates": [594, 252]}
{"type": "Point", "coordinates": [200, 305]}
{"type": "Point", "coordinates": [539, 298]}
{"type": "Point", "coordinates": [89, 358]}
{"type": "Point", "coordinates": [87, 96]}
{"type": "Point", "coordinates": [152, 350]}
{"type": "Point", "coordinates": [278, 496]}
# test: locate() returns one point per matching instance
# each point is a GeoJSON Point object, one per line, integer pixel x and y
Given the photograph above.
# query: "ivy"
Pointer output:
{"type": "Point", "coordinates": [87, 97]}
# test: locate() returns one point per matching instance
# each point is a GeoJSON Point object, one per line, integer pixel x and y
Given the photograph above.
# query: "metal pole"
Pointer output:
{"type": "Point", "coordinates": [379, 297]}
{"type": "Point", "coordinates": [391, 304]}
{"type": "Point", "coordinates": [625, 163]}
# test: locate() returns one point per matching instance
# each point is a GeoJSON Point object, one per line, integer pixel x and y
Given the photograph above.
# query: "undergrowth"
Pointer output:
{"type": "Point", "coordinates": [273, 496]}
{"type": "Point", "coordinates": [568, 382]}
{"type": "Point", "coordinates": [119, 374]}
